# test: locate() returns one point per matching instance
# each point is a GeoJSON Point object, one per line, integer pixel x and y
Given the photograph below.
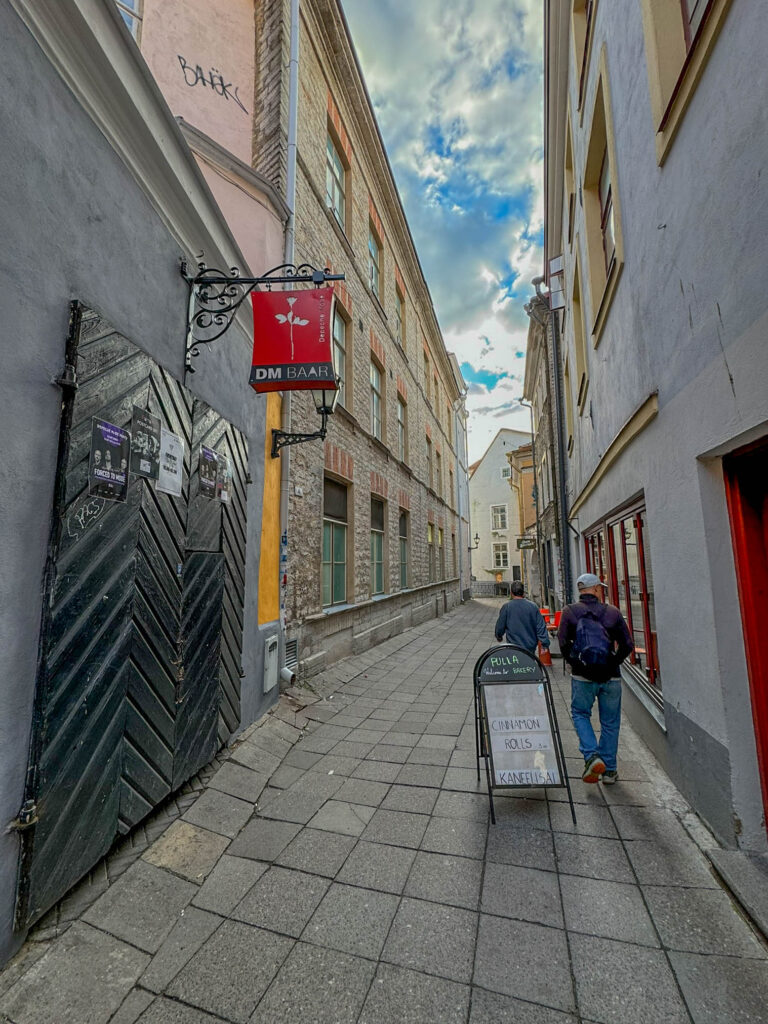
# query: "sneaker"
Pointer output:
{"type": "Point", "coordinates": [594, 767]}
{"type": "Point", "coordinates": [610, 776]}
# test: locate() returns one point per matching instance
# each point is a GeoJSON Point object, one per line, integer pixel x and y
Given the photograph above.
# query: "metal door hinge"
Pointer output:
{"type": "Point", "coordinates": [26, 819]}
{"type": "Point", "coordinates": [68, 379]}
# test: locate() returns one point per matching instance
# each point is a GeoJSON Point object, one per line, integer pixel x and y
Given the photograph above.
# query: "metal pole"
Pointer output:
{"type": "Point", "coordinates": [529, 406]}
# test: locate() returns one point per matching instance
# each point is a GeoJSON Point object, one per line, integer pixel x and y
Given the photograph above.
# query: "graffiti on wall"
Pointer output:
{"type": "Point", "coordinates": [213, 80]}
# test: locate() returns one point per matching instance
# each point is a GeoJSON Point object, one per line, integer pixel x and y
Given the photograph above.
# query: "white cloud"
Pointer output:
{"type": "Point", "coordinates": [457, 90]}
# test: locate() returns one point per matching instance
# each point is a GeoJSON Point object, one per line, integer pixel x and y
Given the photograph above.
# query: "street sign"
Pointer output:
{"type": "Point", "coordinates": [525, 542]}
{"type": "Point", "coordinates": [516, 727]}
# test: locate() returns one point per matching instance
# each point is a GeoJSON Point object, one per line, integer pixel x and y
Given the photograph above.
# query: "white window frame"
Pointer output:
{"type": "Point", "coordinates": [506, 472]}
{"type": "Point", "coordinates": [132, 13]}
{"type": "Point", "coordinates": [503, 524]}
{"type": "Point", "coordinates": [500, 555]}
{"type": "Point", "coordinates": [402, 429]}
{"type": "Point", "coordinates": [340, 353]}
{"type": "Point", "coordinates": [377, 404]}
{"type": "Point", "coordinates": [374, 262]}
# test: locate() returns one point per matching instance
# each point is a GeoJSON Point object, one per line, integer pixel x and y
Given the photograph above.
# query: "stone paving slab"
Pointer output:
{"type": "Point", "coordinates": [348, 871]}
{"type": "Point", "coordinates": [82, 979]}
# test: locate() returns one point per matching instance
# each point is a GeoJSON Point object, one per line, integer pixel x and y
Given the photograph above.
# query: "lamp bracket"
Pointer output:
{"type": "Point", "coordinates": [215, 297]}
{"type": "Point", "coordinates": [282, 438]}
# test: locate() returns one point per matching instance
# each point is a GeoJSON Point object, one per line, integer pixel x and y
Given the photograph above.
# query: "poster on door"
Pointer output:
{"type": "Point", "coordinates": [145, 444]}
{"type": "Point", "coordinates": [171, 469]}
{"type": "Point", "coordinates": [223, 478]}
{"type": "Point", "coordinates": [108, 463]}
{"type": "Point", "coordinates": [208, 471]}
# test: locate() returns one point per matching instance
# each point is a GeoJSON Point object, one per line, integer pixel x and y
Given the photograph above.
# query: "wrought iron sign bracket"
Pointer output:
{"type": "Point", "coordinates": [215, 297]}
{"type": "Point", "coordinates": [282, 438]}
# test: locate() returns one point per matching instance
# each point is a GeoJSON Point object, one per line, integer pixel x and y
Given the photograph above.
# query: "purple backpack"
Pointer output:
{"type": "Point", "coordinates": [592, 645]}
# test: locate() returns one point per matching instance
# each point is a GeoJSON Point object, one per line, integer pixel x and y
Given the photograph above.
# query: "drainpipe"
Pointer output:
{"type": "Point", "coordinates": [529, 406]}
{"type": "Point", "coordinates": [457, 404]}
{"type": "Point", "coordinates": [565, 538]}
{"type": "Point", "coordinates": [288, 257]}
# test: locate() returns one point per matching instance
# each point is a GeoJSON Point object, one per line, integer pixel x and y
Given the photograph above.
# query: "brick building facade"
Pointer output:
{"type": "Point", "coordinates": [373, 530]}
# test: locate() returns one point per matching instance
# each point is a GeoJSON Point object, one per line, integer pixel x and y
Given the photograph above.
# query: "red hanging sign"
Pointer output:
{"type": "Point", "coordinates": [292, 338]}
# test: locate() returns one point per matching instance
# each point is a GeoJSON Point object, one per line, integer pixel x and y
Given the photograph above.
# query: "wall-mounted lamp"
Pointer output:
{"type": "Point", "coordinates": [325, 404]}
{"type": "Point", "coordinates": [477, 543]}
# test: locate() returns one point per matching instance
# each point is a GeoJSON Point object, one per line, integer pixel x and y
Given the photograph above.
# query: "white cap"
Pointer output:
{"type": "Point", "coordinates": [588, 579]}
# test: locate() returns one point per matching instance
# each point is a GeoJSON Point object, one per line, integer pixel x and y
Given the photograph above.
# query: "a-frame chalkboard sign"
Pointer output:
{"type": "Point", "coordinates": [516, 730]}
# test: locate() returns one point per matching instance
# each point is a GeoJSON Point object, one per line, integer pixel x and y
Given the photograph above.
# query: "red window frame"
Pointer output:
{"type": "Point", "coordinates": [694, 15]}
{"type": "Point", "coordinates": [604, 560]}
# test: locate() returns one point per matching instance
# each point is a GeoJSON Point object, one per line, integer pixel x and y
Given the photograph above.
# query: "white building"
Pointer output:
{"type": "Point", "coordinates": [495, 516]}
{"type": "Point", "coordinates": [656, 152]}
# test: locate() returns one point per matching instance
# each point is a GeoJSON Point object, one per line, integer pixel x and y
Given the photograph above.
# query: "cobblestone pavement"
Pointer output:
{"type": "Point", "coordinates": [340, 867]}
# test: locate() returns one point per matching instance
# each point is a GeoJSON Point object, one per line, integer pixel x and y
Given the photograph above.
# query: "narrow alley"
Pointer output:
{"type": "Point", "coordinates": [340, 866]}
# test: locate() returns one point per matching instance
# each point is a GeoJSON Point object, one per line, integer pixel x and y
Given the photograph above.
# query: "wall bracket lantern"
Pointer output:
{"type": "Point", "coordinates": [215, 297]}
{"type": "Point", "coordinates": [477, 543]}
{"type": "Point", "coordinates": [325, 403]}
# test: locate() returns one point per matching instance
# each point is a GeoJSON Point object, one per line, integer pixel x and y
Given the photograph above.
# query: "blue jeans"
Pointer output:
{"type": "Point", "coordinates": [583, 694]}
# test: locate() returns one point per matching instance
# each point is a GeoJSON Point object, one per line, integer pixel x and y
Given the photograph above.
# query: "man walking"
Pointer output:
{"type": "Point", "coordinates": [522, 622]}
{"type": "Point", "coordinates": [594, 640]}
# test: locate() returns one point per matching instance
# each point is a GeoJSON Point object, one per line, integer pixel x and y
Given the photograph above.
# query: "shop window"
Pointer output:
{"type": "Point", "coordinates": [679, 37]}
{"type": "Point", "coordinates": [403, 532]}
{"type": "Point", "coordinates": [618, 552]}
{"type": "Point", "coordinates": [377, 546]}
{"type": "Point", "coordinates": [334, 555]}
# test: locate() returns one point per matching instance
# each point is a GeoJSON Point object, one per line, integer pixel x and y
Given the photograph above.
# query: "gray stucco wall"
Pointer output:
{"type": "Point", "coordinates": [74, 224]}
{"type": "Point", "coordinates": [689, 319]}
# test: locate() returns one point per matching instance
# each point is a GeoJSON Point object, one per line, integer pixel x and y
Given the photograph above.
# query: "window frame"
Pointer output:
{"type": "Point", "coordinates": [404, 517]}
{"type": "Point", "coordinates": [377, 401]}
{"type": "Point", "coordinates": [441, 552]}
{"type": "Point", "coordinates": [399, 317]}
{"type": "Point", "coordinates": [493, 512]}
{"type": "Point", "coordinates": [375, 251]}
{"type": "Point", "coordinates": [378, 550]}
{"type": "Point", "coordinates": [344, 391]}
{"type": "Point", "coordinates": [333, 145]}
{"type": "Point", "coordinates": [332, 521]}
{"type": "Point", "coordinates": [430, 467]}
{"type": "Point", "coordinates": [431, 553]}
{"type": "Point", "coordinates": [402, 428]}
{"type": "Point", "coordinates": [500, 548]}
{"type": "Point", "coordinates": [135, 14]}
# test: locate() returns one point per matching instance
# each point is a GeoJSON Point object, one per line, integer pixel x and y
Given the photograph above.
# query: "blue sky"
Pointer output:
{"type": "Point", "coordinates": [457, 91]}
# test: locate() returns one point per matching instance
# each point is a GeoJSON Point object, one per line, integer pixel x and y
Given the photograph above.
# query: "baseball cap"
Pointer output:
{"type": "Point", "coordinates": [588, 579]}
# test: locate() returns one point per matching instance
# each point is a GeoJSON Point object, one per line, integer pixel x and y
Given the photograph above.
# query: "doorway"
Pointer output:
{"type": "Point", "coordinates": [746, 487]}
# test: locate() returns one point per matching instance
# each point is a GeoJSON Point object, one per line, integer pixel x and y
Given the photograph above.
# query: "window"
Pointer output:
{"type": "Point", "coordinates": [570, 188]}
{"type": "Point", "coordinates": [501, 556]}
{"type": "Point", "coordinates": [450, 487]}
{"type": "Point", "coordinates": [679, 37]}
{"type": "Point", "coordinates": [402, 430]}
{"type": "Point", "coordinates": [340, 354]}
{"type": "Point", "coordinates": [374, 262]}
{"type": "Point", "coordinates": [335, 183]}
{"type": "Point", "coordinates": [438, 474]}
{"type": "Point", "coordinates": [448, 418]}
{"type": "Point", "coordinates": [606, 214]}
{"type": "Point", "coordinates": [430, 472]}
{"type": "Point", "coordinates": [377, 546]}
{"type": "Point", "coordinates": [441, 552]}
{"type": "Point", "coordinates": [334, 560]}
{"type": "Point", "coordinates": [426, 377]}
{"type": "Point", "coordinates": [618, 552]}
{"type": "Point", "coordinates": [431, 552]}
{"type": "Point", "coordinates": [131, 12]}
{"type": "Point", "coordinates": [376, 404]}
{"type": "Point", "coordinates": [506, 472]}
{"type": "Point", "coordinates": [454, 563]}
{"type": "Point", "coordinates": [568, 403]}
{"type": "Point", "coordinates": [583, 24]}
{"type": "Point", "coordinates": [399, 318]}
{"type": "Point", "coordinates": [403, 532]}
{"type": "Point", "coordinates": [579, 340]}
{"type": "Point", "coordinates": [498, 517]}
{"type": "Point", "coordinates": [604, 246]}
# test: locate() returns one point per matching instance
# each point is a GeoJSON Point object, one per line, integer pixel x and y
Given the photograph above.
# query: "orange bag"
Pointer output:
{"type": "Point", "coordinates": [544, 656]}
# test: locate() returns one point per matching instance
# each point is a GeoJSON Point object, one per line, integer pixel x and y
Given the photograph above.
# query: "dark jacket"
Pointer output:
{"type": "Point", "coordinates": [615, 627]}
{"type": "Point", "coordinates": [523, 624]}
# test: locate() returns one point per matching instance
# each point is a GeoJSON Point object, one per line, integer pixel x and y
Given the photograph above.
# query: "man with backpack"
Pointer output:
{"type": "Point", "coordinates": [594, 640]}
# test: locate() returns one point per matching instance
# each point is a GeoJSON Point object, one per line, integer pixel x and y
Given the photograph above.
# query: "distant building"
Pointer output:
{"type": "Point", "coordinates": [522, 482]}
{"type": "Point", "coordinates": [495, 517]}
{"type": "Point", "coordinates": [655, 147]}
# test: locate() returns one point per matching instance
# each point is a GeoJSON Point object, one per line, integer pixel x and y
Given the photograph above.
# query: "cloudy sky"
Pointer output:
{"type": "Point", "coordinates": [457, 90]}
